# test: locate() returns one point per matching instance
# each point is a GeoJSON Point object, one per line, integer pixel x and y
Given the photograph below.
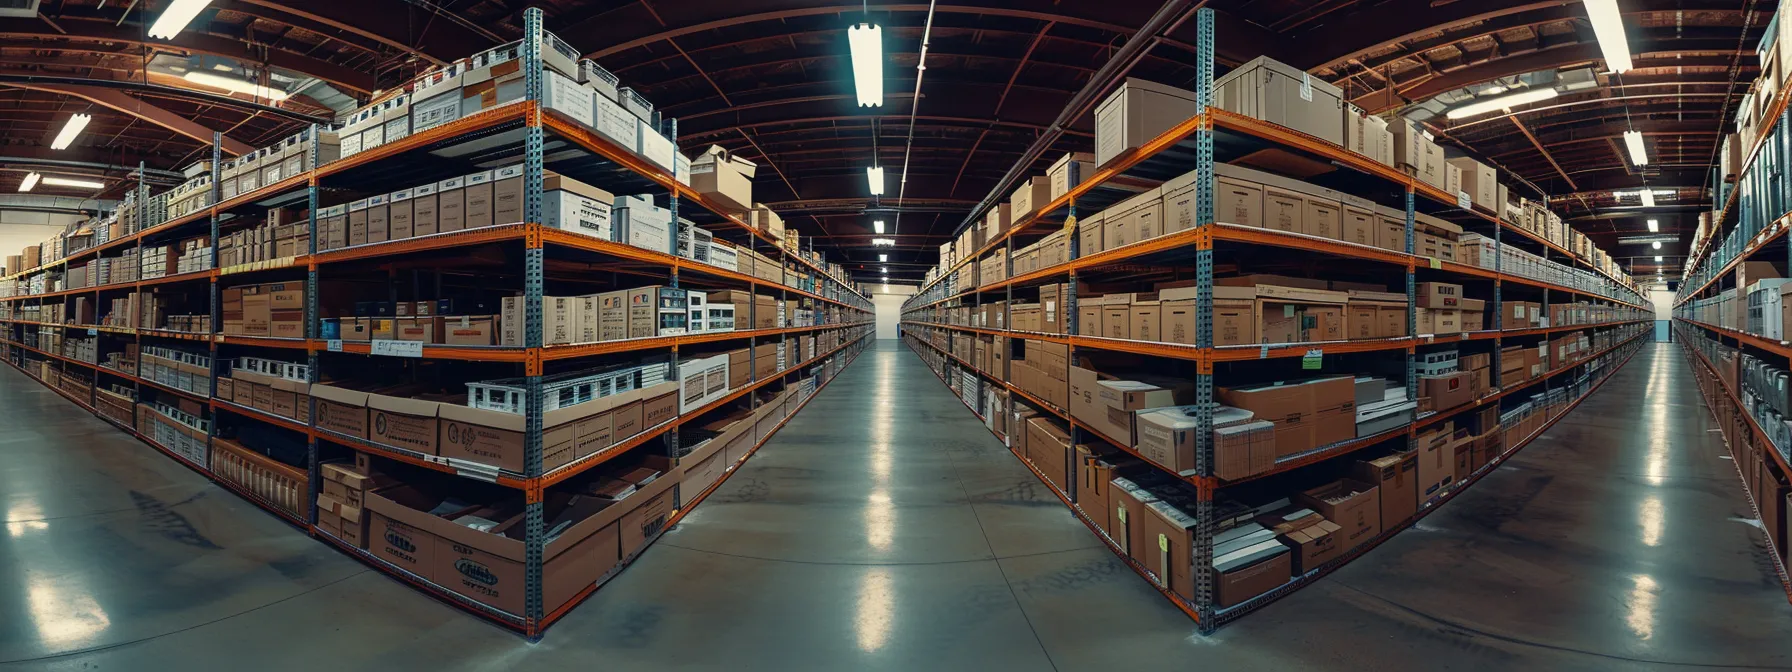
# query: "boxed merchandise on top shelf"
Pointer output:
{"type": "Point", "coordinates": [1281, 94]}
{"type": "Point", "coordinates": [268, 385]}
{"type": "Point", "coordinates": [192, 196]}
{"type": "Point", "coordinates": [726, 179]}
{"type": "Point", "coordinates": [284, 159]}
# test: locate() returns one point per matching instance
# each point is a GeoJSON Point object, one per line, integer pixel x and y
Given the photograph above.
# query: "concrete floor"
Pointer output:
{"type": "Point", "coordinates": [884, 529]}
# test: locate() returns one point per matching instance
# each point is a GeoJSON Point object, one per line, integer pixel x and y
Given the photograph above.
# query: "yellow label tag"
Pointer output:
{"type": "Point", "coordinates": [1435, 263]}
{"type": "Point", "coordinates": [1120, 512]}
{"type": "Point", "coordinates": [1070, 224]}
{"type": "Point", "coordinates": [1163, 543]}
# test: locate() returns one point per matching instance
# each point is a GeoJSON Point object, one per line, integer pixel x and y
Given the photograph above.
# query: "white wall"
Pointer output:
{"type": "Point", "coordinates": [18, 229]}
{"type": "Point", "coordinates": [887, 302]}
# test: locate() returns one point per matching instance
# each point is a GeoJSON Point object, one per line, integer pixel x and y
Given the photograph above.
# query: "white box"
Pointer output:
{"type": "Point", "coordinates": [724, 256]}
{"type": "Point", "coordinates": [1137, 112]}
{"type": "Point", "coordinates": [657, 148]}
{"type": "Point", "coordinates": [615, 123]}
{"type": "Point", "coordinates": [566, 96]}
{"type": "Point", "coordinates": [578, 207]}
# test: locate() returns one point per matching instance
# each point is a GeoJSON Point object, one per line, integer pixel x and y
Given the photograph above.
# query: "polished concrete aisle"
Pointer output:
{"type": "Point", "coordinates": [883, 529]}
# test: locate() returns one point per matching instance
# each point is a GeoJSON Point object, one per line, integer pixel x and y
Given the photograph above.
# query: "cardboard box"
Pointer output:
{"type": "Point", "coordinates": [403, 422]}
{"type": "Point", "coordinates": [1354, 505]}
{"type": "Point", "coordinates": [1437, 462]}
{"type": "Point", "coordinates": [1446, 391]}
{"type": "Point", "coordinates": [1136, 112]}
{"type": "Point", "coordinates": [1396, 477]}
{"type": "Point", "coordinates": [1234, 585]}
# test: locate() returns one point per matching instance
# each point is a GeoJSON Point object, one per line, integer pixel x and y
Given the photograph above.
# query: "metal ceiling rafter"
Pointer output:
{"type": "Point", "coordinates": [117, 101]}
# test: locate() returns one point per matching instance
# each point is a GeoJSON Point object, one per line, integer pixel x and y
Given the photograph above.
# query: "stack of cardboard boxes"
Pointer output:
{"type": "Point", "coordinates": [288, 158]}
{"type": "Point", "coordinates": [275, 310]}
{"type": "Point", "coordinates": [438, 423]}
{"type": "Point", "coordinates": [284, 236]}
{"type": "Point", "coordinates": [342, 504]}
{"type": "Point", "coordinates": [269, 386]}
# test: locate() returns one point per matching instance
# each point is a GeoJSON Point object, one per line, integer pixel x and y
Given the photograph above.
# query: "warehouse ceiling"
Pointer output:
{"type": "Point", "coordinates": [771, 79]}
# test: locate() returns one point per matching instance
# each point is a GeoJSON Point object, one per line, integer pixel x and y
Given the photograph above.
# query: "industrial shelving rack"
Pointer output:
{"type": "Point", "coordinates": [1191, 145]}
{"type": "Point", "coordinates": [1749, 225]}
{"type": "Point", "coordinates": [518, 130]}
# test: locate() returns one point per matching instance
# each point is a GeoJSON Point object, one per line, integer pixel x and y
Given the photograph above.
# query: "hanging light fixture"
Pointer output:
{"type": "Point", "coordinates": [877, 225]}
{"type": "Point", "coordinates": [30, 182]}
{"type": "Point", "coordinates": [1654, 226]}
{"type": "Point", "coordinates": [867, 42]}
{"type": "Point", "coordinates": [234, 85]}
{"type": "Point", "coordinates": [883, 257]}
{"type": "Point", "coordinates": [1608, 28]}
{"type": "Point", "coordinates": [70, 129]}
{"type": "Point", "coordinates": [1502, 102]}
{"type": "Point", "coordinates": [1633, 140]}
{"type": "Point", "coordinates": [176, 17]}
{"type": "Point", "coordinates": [883, 242]}
{"type": "Point", "coordinates": [875, 176]}
{"type": "Point", "coordinates": [1656, 244]}
{"type": "Point", "coordinates": [78, 184]}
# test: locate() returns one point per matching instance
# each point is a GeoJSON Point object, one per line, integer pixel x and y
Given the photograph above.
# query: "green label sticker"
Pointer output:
{"type": "Point", "coordinates": [1312, 360]}
{"type": "Point", "coordinates": [1163, 543]}
{"type": "Point", "coordinates": [1120, 512]}
{"type": "Point", "coordinates": [1435, 263]}
{"type": "Point", "coordinates": [1287, 310]}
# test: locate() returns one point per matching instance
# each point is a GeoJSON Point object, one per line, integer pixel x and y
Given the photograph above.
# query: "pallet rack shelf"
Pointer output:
{"type": "Point", "coordinates": [1190, 148]}
{"type": "Point", "coordinates": [1210, 619]}
{"type": "Point", "coordinates": [1728, 305]}
{"type": "Point", "coordinates": [521, 132]}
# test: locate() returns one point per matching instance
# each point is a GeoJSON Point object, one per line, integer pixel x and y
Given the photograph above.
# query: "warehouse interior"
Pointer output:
{"type": "Point", "coordinates": [1001, 335]}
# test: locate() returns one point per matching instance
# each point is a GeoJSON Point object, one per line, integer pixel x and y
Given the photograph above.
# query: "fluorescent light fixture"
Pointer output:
{"type": "Point", "coordinates": [176, 17]}
{"type": "Point", "coordinates": [1501, 103]}
{"type": "Point", "coordinates": [1654, 226]}
{"type": "Point", "coordinates": [73, 127]}
{"type": "Point", "coordinates": [65, 182]}
{"type": "Point", "coordinates": [30, 182]}
{"type": "Point", "coordinates": [1648, 198]}
{"type": "Point", "coordinates": [875, 175]}
{"type": "Point", "coordinates": [885, 271]}
{"type": "Point", "coordinates": [883, 242]}
{"type": "Point", "coordinates": [1658, 257]}
{"type": "Point", "coordinates": [1608, 27]}
{"type": "Point", "coordinates": [867, 41]}
{"type": "Point", "coordinates": [1633, 140]}
{"type": "Point", "coordinates": [878, 225]}
{"type": "Point", "coordinates": [234, 85]}
{"type": "Point", "coordinates": [1656, 244]}
{"type": "Point", "coordinates": [883, 257]}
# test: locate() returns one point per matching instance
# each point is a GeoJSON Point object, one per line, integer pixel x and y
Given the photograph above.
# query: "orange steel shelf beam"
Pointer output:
{"type": "Point", "coordinates": [1252, 235]}
{"type": "Point", "coordinates": [1304, 459]}
{"type": "Point", "coordinates": [258, 414]}
{"type": "Point", "coordinates": [1775, 347]}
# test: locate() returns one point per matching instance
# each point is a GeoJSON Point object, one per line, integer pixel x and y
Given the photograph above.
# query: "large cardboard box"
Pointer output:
{"type": "Point", "coordinates": [1478, 180]}
{"type": "Point", "coordinates": [1281, 94]}
{"type": "Point", "coordinates": [1137, 112]}
{"type": "Point", "coordinates": [726, 179]}
{"type": "Point", "coordinates": [1354, 505]}
{"type": "Point", "coordinates": [1396, 477]}
{"type": "Point", "coordinates": [403, 422]}
{"type": "Point", "coordinates": [1437, 462]}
